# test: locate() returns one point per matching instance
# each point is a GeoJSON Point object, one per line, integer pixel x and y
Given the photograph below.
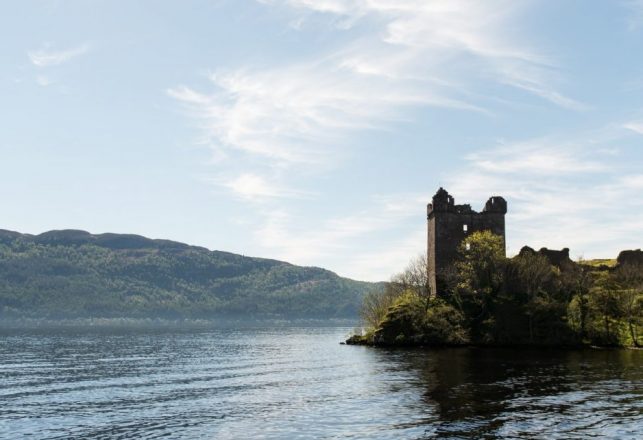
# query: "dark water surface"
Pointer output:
{"type": "Point", "coordinates": [300, 383]}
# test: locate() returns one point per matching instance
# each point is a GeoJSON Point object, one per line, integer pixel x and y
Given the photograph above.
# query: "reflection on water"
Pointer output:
{"type": "Point", "coordinates": [300, 383]}
{"type": "Point", "coordinates": [493, 393]}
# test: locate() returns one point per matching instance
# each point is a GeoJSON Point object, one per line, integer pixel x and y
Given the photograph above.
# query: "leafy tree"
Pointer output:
{"type": "Point", "coordinates": [629, 277]}
{"type": "Point", "coordinates": [605, 308]}
{"type": "Point", "coordinates": [482, 262]}
{"type": "Point", "coordinates": [480, 277]}
{"type": "Point", "coordinates": [444, 324]}
{"type": "Point", "coordinates": [578, 283]}
{"type": "Point", "coordinates": [533, 277]}
{"type": "Point", "coordinates": [409, 322]}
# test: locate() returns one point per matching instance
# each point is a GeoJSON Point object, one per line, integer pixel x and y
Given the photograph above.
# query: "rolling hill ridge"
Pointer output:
{"type": "Point", "coordinates": [74, 274]}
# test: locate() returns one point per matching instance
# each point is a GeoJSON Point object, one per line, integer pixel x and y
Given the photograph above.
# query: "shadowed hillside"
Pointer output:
{"type": "Point", "coordinates": [74, 274]}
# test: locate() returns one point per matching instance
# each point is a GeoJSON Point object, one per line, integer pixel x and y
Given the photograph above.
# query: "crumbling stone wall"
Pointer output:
{"type": "Point", "coordinates": [449, 225]}
{"type": "Point", "coordinates": [556, 258]}
{"type": "Point", "coordinates": [634, 257]}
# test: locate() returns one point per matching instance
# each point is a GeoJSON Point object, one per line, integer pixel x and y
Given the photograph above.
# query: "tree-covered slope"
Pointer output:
{"type": "Point", "coordinates": [70, 274]}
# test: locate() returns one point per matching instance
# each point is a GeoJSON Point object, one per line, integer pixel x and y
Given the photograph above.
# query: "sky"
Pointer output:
{"type": "Point", "coordinates": [316, 131]}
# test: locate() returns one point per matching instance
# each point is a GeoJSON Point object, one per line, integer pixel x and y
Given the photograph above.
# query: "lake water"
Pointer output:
{"type": "Point", "coordinates": [299, 383]}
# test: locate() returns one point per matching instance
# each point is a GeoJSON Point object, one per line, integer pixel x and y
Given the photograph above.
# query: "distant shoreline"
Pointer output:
{"type": "Point", "coordinates": [151, 323]}
{"type": "Point", "coordinates": [360, 340]}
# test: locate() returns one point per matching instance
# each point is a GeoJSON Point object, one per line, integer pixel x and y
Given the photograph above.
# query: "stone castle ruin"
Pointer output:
{"type": "Point", "coordinates": [560, 258]}
{"type": "Point", "coordinates": [634, 257]}
{"type": "Point", "coordinates": [449, 225]}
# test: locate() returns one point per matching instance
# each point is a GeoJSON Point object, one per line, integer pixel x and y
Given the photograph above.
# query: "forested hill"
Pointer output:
{"type": "Point", "coordinates": [74, 274]}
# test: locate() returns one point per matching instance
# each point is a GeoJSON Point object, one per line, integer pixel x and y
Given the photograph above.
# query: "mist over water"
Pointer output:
{"type": "Point", "coordinates": [299, 382]}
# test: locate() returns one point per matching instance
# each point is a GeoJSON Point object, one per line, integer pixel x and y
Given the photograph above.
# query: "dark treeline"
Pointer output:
{"type": "Point", "coordinates": [74, 274]}
{"type": "Point", "coordinates": [488, 299]}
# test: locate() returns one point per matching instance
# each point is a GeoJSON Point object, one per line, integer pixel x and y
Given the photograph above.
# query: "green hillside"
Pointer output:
{"type": "Point", "coordinates": [74, 274]}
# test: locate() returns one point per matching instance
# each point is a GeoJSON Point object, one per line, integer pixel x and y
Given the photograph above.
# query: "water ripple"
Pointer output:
{"type": "Point", "coordinates": [299, 383]}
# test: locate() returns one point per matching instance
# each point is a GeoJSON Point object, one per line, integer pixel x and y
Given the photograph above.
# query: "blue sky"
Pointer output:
{"type": "Point", "coordinates": [315, 131]}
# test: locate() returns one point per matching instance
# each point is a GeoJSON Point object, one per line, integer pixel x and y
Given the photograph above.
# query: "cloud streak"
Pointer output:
{"type": "Point", "coordinates": [635, 126]}
{"type": "Point", "coordinates": [561, 194]}
{"type": "Point", "coordinates": [254, 187]}
{"type": "Point", "coordinates": [297, 114]}
{"type": "Point", "coordinates": [407, 54]}
{"type": "Point", "coordinates": [434, 36]}
{"type": "Point", "coordinates": [46, 56]}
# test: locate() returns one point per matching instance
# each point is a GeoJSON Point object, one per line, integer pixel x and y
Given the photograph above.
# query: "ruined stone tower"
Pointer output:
{"type": "Point", "coordinates": [449, 224]}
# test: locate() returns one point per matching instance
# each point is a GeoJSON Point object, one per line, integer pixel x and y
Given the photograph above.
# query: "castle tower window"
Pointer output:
{"type": "Point", "coordinates": [465, 228]}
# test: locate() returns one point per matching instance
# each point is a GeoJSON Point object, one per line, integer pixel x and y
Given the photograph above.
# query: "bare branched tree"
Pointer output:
{"type": "Point", "coordinates": [415, 278]}
{"type": "Point", "coordinates": [376, 303]}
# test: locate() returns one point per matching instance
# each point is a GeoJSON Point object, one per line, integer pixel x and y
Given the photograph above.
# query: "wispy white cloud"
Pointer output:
{"type": "Point", "coordinates": [595, 211]}
{"type": "Point", "coordinates": [540, 157]}
{"type": "Point", "coordinates": [298, 114]}
{"type": "Point", "coordinates": [594, 220]}
{"type": "Point", "coordinates": [633, 182]}
{"type": "Point", "coordinates": [47, 56]}
{"type": "Point", "coordinates": [561, 194]}
{"type": "Point", "coordinates": [339, 242]}
{"type": "Point", "coordinates": [406, 54]}
{"type": "Point", "coordinates": [635, 126]}
{"type": "Point", "coordinates": [535, 82]}
{"type": "Point", "coordinates": [425, 36]}
{"type": "Point", "coordinates": [255, 187]}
